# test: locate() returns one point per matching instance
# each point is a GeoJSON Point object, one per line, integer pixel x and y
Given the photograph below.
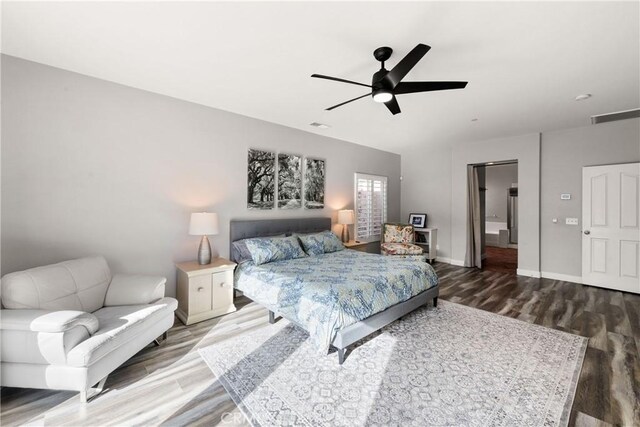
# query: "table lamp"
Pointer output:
{"type": "Point", "coordinates": [345, 217]}
{"type": "Point", "coordinates": [203, 224]}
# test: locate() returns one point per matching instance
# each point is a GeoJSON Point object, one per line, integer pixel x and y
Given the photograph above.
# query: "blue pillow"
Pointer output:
{"type": "Point", "coordinates": [264, 250]}
{"type": "Point", "coordinates": [321, 243]}
{"type": "Point", "coordinates": [241, 252]}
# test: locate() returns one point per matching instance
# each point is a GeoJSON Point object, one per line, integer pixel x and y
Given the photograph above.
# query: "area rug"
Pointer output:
{"type": "Point", "coordinates": [446, 366]}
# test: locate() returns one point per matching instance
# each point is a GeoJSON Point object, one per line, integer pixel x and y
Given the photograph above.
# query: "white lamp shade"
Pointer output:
{"type": "Point", "coordinates": [345, 216]}
{"type": "Point", "coordinates": [203, 224]}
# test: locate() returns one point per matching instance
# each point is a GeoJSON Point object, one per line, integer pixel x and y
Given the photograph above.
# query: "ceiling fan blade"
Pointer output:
{"type": "Point", "coordinates": [320, 76]}
{"type": "Point", "coordinates": [393, 106]}
{"type": "Point", "coordinates": [346, 102]}
{"type": "Point", "coordinates": [413, 87]}
{"type": "Point", "coordinates": [405, 65]}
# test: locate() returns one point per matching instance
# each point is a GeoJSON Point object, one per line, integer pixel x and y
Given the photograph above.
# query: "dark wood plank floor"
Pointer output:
{"type": "Point", "coordinates": [502, 260]}
{"type": "Point", "coordinates": [171, 385]}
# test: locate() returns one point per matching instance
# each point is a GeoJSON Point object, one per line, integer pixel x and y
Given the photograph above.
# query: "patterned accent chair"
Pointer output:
{"type": "Point", "coordinates": [398, 240]}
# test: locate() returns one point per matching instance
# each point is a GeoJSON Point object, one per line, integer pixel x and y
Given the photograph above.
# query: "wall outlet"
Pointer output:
{"type": "Point", "coordinates": [572, 221]}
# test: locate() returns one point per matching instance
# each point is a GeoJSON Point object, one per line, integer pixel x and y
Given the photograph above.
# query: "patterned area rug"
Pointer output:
{"type": "Point", "coordinates": [446, 366]}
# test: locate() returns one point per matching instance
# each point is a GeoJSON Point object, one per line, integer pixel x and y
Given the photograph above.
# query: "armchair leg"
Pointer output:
{"type": "Point", "coordinates": [159, 342]}
{"type": "Point", "coordinates": [90, 393]}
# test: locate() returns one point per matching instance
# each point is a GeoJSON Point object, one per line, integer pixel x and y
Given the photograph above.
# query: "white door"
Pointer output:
{"type": "Point", "coordinates": [611, 226]}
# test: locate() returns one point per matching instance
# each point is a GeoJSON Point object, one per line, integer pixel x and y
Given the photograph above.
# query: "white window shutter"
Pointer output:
{"type": "Point", "coordinates": [371, 206]}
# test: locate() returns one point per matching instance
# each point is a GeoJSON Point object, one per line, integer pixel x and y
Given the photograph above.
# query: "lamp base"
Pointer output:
{"type": "Point", "coordinates": [345, 233]}
{"type": "Point", "coordinates": [204, 251]}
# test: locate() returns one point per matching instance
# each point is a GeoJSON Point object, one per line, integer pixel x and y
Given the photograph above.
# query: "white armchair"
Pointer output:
{"type": "Point", "coordinates": [67, 326]}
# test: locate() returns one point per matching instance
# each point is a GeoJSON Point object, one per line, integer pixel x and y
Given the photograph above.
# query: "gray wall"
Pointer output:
{"type": "Point", "coordinates": [564, 153]}
{"type": "Point", "coordinates": [429, 175]}
{"type": "Point", "coordinates": [526, 150]}
{"type": "Point", "coordinates": [434, 181]}
{"type": "Point", "coordinates": [426, 188]}
{"type": "Point", "coordinates": [498, 179]}
{"type": "Point", "coordinates": [92, 167]}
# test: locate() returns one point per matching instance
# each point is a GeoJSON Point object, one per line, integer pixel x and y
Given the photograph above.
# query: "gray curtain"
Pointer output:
{"type": "Point", "coordinates": [473, 257]}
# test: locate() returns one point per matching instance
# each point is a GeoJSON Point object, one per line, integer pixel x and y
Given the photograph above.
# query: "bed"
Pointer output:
{"type": "Point", "coordinates": [339, 297]}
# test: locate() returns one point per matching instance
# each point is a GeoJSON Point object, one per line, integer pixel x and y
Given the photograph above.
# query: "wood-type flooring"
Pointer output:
{"type": "Point", "coordinates": [171, 385]}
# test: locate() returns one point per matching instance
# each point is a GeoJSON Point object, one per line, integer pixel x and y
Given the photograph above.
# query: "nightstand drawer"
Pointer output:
{"type": "Point", "coordinates": [200, 294]}
{"type": "Point", "coordinates": [222, 289]}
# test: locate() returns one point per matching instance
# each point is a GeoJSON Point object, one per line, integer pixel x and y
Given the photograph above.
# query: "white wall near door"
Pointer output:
{"type": "Point", "coordinates": [611, 226]}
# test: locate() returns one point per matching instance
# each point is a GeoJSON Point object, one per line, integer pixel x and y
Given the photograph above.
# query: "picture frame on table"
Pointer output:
{"type": "Point", "coordinates": [418, 220]}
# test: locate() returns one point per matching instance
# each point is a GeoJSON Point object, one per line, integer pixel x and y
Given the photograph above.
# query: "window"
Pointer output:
{"type": "Point", "coordinates": [371, 206]}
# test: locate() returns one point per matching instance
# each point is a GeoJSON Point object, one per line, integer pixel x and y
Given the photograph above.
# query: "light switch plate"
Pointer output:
{"type": "Point", "coordinates": [572, 221]}
{"type": "Point", "coordinates": [565, 196]}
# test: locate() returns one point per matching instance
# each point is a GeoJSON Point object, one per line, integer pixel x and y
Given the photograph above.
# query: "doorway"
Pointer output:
{"type": "Point", "coordinates": [498, 182]}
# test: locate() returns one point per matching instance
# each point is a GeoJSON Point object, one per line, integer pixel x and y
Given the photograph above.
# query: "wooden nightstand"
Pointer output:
{"type": "Point", "coordinates": [358, 246]}
{"type": "Point", "coordinates": [204, 291]}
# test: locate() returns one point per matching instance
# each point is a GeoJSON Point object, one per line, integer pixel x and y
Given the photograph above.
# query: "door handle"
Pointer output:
{"type": "Point", "coordinates": [587, 232]}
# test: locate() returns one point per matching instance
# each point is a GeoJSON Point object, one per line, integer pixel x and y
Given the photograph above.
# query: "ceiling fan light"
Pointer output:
{"type": "Point", "coordinates": [382, 96]}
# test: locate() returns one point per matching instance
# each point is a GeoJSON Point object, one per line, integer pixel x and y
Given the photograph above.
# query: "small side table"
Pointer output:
{"type": "Point", "coordinates": [427, 239]}
{"type": "Point", "coordinates": [204, 291]}
{"type": "Point", "coordinates": [358, 246]}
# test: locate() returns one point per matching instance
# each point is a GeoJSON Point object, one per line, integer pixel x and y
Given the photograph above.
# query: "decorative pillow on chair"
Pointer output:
{"type": "Point", "coordinates": [398, 233]}
{"type": "Point", "coordinates": [264, 250]}
{"type": "Point", "coordinates": [320, 243]}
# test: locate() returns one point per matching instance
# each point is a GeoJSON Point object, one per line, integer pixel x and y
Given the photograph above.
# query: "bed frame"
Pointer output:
{"type": "Point", "coordinates": [245, 229]}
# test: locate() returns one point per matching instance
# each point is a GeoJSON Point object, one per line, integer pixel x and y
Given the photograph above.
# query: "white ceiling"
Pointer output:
{"type": "Point", "coordinates": [525, 62]}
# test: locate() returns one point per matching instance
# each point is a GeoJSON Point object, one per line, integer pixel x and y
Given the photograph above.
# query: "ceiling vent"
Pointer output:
{"type": "Point", "coordinates": [612, 117]}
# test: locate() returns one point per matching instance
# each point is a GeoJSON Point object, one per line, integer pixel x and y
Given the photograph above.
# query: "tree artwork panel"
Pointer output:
{"type": "Point", "coordinates": [261, 179]}
{"type": "Point", "coordinates": [314, 184]}
{"type": "Point", "coordinates": [289, 181]}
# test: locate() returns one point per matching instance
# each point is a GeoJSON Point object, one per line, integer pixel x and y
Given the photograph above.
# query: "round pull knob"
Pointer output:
{"type": "Point", "coordinates": [200, 289]}
{"type": "Point", "coordinates": [222, 285]}
{"type": "Point", "coordinates": [587, 232]}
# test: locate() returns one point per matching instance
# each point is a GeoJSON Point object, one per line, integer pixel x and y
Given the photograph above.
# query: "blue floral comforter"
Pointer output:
{"type": "Point", "coordinates": [328, 292]}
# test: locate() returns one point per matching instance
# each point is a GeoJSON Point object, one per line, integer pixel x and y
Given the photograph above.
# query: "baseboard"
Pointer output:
{"type": "Point", "coordinates": [523, 272]}
{"type": "Point", "coordinates": [563, 277]}
{"type": "Point", "coordinates": [528, 273]}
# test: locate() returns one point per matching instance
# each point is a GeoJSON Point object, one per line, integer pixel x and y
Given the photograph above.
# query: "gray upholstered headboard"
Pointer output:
{"type": "Point", "coordinates": [246, 229]}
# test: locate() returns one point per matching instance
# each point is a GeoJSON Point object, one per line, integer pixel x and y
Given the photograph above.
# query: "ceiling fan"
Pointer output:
{"type": "Point", "coordinates": [385, 84]}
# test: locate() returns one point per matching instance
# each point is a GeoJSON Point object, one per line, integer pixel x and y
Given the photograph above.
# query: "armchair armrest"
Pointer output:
{"type": "Point", "coordinates": [131, 289]}
{"type": "Point", "coordinates": [47, 321]}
